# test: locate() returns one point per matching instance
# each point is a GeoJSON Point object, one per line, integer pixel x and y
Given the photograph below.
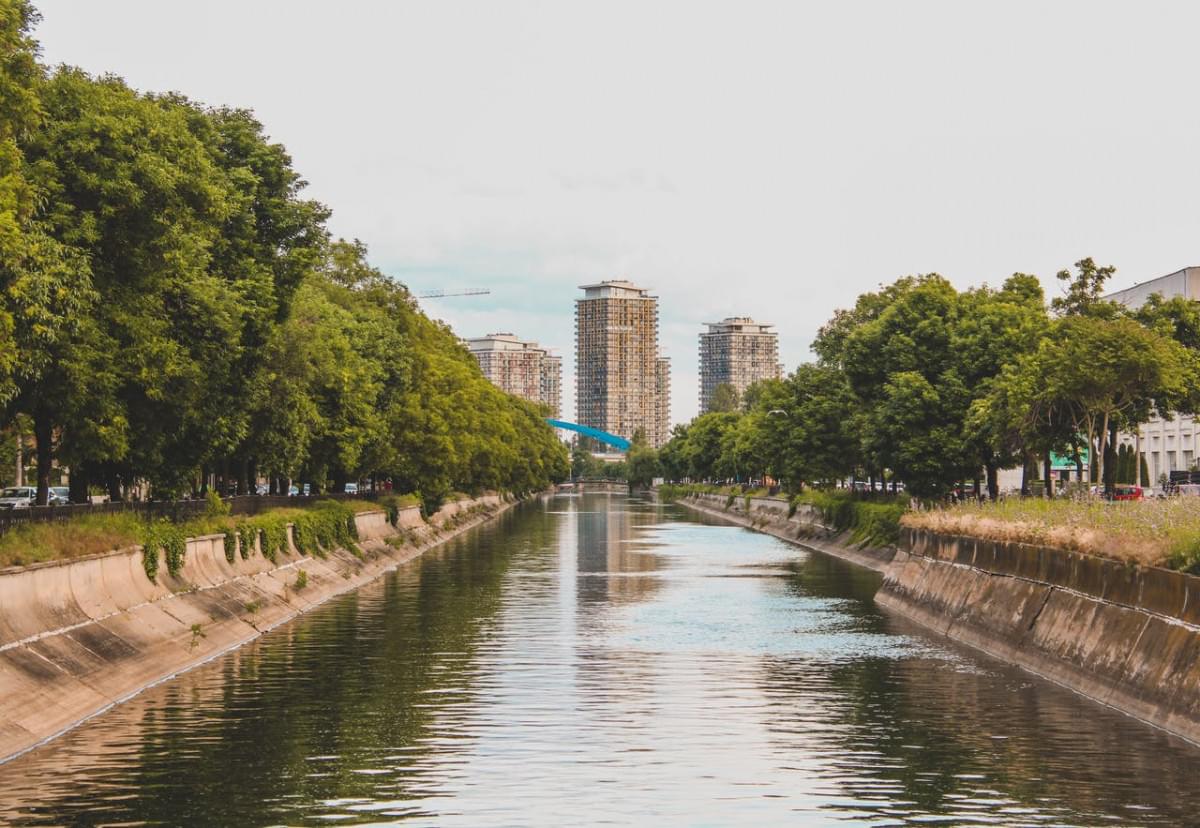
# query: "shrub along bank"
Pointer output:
{"type": "Point", "coordinates": [324, 526]}
{"type": "Point", "coordinates": [870, 520]}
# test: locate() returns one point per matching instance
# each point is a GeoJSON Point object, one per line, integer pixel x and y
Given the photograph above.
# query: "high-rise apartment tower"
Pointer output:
{"type": "Point", "coordinates": [621, 383]}
{"type": "Point", "coordinates": [739, 352]}
{"type": "Point", "coordinates": [522, 368]}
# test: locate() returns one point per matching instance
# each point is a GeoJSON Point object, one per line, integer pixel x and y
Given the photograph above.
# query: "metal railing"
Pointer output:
{"type": "Point", "coordinates": [174, 510]}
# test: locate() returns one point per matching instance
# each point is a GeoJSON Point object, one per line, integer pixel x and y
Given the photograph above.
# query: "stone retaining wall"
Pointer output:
{"type": "Point", "coordinates": [79, 636]}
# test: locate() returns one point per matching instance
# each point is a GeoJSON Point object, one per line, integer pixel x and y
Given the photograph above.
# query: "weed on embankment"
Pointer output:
{"type": "Point", "coordinates": [1158, 532]}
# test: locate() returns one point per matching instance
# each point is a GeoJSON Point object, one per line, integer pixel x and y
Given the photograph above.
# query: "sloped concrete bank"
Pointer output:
{"type": "Point", "coordinates": [77, 637]}
{"type": "Point", "coordinates": [1125, 636]}
{"type": "Point", "coordinates": [803, 528]}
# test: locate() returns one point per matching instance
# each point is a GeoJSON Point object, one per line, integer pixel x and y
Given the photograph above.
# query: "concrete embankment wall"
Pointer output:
{"type": "Point", "coordinates": [79, 636]}
{"type": "Point", "coordinates": [803, 527]}
{"type": "Point", "coordinates": [1126, 636]}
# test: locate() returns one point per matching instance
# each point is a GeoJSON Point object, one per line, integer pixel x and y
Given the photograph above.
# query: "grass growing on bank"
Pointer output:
{"type": "Point", "coordinates": [36, 542]}
{"type": "Point", "coordinates": [1158, 532]}
{"type": "Point", "coordinates": [318, 528]}
{"type": "Point", "coordinates": [870, 520]}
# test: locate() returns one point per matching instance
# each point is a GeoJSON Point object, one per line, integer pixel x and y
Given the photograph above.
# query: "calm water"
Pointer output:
{"type": "Point", "coordinates": [601, 660]}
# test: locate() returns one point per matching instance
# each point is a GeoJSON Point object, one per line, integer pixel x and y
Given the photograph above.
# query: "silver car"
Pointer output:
{"type": "Point", "coordinates": [17, 497]}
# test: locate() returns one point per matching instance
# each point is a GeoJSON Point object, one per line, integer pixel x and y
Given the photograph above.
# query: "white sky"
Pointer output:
{"type": "Point", "coordinates": [764, 159]}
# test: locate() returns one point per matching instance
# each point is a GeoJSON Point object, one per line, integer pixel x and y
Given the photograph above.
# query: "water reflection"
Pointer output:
{"type": "Point", "coordinates": [598, 659]}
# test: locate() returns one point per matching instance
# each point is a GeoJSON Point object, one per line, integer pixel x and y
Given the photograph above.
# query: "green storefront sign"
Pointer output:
{"type": "Point", "coordinates": [1060, 462]}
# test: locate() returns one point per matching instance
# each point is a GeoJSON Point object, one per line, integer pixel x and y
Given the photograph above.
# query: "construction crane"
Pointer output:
{"type": "Point", "coordinates": [442, 294]}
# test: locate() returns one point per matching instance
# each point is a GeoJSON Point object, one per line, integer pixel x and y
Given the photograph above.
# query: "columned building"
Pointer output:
{"type": "Point", "coordinates": [524, 369]}
{"type": "Point", "coordinates": [739, 352]}
{"type": "Point", "coordinates": [621, 383]}
{"type": "Point", "coordinates": [1166, 445]}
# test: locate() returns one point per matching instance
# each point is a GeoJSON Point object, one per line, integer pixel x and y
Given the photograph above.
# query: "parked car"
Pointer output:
{"type": "Point", "coordinates": [351, 488]}
{"type": "Point", "coordinates": [262, 489]}
{"type": "Point", "coordinates": [17, 497]}
{"type": "Point", "coordinates": [1127, 493]}
{"type": "Point", "coordinates": [293, 491]}
{"type": "Point", "coordinates": [60, 495]}
{"type": "Point", "coordinates": [1120, 492]}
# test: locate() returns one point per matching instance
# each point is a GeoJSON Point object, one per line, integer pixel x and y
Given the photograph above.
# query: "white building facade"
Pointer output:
{"type": "Point", "coordinates": [519, 367]}
{"type": "Point", "coordinates": [1166, 445]}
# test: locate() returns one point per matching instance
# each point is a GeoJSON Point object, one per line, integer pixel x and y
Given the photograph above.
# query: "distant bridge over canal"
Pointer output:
{"type": "Point", "coordinates": [600, 486]}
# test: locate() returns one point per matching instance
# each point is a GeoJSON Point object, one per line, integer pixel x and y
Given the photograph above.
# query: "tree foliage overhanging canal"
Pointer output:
{"type": "Point", "coordinates": [170, 304]}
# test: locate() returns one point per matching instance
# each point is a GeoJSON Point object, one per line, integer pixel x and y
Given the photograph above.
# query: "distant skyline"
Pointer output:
{"type": "Point", "coordinates": [763, 159]}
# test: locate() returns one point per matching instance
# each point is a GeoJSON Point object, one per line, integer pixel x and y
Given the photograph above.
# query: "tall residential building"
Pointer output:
{"type": "Point", "coordinates": [1171, 444]}
{"type": "Point", "coordinates": [662, 386]}
{"type": "Point", "coordinates": [551, 382]}
{"type": "Point", "coordinates": [736, 351]}
{"type": "Point", "coordinates": [524, 369]}
{"type": "Point", "coordinates": [621, 383]}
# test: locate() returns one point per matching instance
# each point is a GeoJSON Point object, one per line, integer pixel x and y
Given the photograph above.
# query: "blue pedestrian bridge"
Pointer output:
{"type": "Point", "coordinates": [619, 443]}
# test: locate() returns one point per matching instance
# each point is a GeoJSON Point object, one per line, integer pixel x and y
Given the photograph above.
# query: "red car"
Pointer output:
{"type": "Point", "coordinates": [1127, 493]}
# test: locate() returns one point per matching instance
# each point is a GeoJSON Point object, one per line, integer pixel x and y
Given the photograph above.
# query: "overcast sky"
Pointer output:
{"type": "Point", "coordinates": [763, 159]}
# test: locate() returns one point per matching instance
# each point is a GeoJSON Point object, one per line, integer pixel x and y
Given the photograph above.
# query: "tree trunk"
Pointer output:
{"type": "Point", "coordinates": [1137, 457]}
{"type": "Point", "coordinates": [993, 481]}
{"type": "Point", "coordinates": [112, 484]}
{"type": "Point", "coordinates": [1048, 476]}
{"type": "Point", "coordinates": [978, 490]}
{"type": "Point", "coordinates": [79, 484]}
{"type": "Point", "coordinates": [19, 478]}
{"type": "Point", "coordinates": [1102, 451]}
{"type": "Point", "coordinates": [1025, 475]}
{"type": "Point", "coordinates": [1110, 459]}
{"type": "Point", "coordinates": [43, 433]}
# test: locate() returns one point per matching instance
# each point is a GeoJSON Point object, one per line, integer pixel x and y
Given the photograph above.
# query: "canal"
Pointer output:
{"type": "Point", "coordinates": [602, 659]}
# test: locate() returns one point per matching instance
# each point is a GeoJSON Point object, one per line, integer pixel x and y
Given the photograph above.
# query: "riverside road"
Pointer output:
{"type": "Point", "coordinates": [598, 658]}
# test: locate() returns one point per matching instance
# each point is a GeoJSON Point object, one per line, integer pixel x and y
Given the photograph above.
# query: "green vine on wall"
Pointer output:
{"type": "Point", "coordinates": [326, 526]}
{"type": "Point", "coordinates": [274, 537]}
{"type": "Point", "coordinates": [150, 561]}
{"type": "Point", "coordinates": [164, 535]}
{"type": "Point", "coordinates": [247, 535]}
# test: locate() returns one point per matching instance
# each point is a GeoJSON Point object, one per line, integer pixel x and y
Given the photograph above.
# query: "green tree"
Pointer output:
{"type": "Point", "coordinates": [1083, 291]}
{"type": "Point", "coordinates": [1094, 370]}
{"type": "Point", "coordinates": [995, 329]}
{"type": "Point", "coordinates": [672, 456]}
{"type": "Point", "coordinates": [724, 399]}
{"type": "Point", "coordinates": [903, 369]}
{"type": "Point", "coordinates": [642, 465]}
{"type": "Point", "coordinates": [704, 443]}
